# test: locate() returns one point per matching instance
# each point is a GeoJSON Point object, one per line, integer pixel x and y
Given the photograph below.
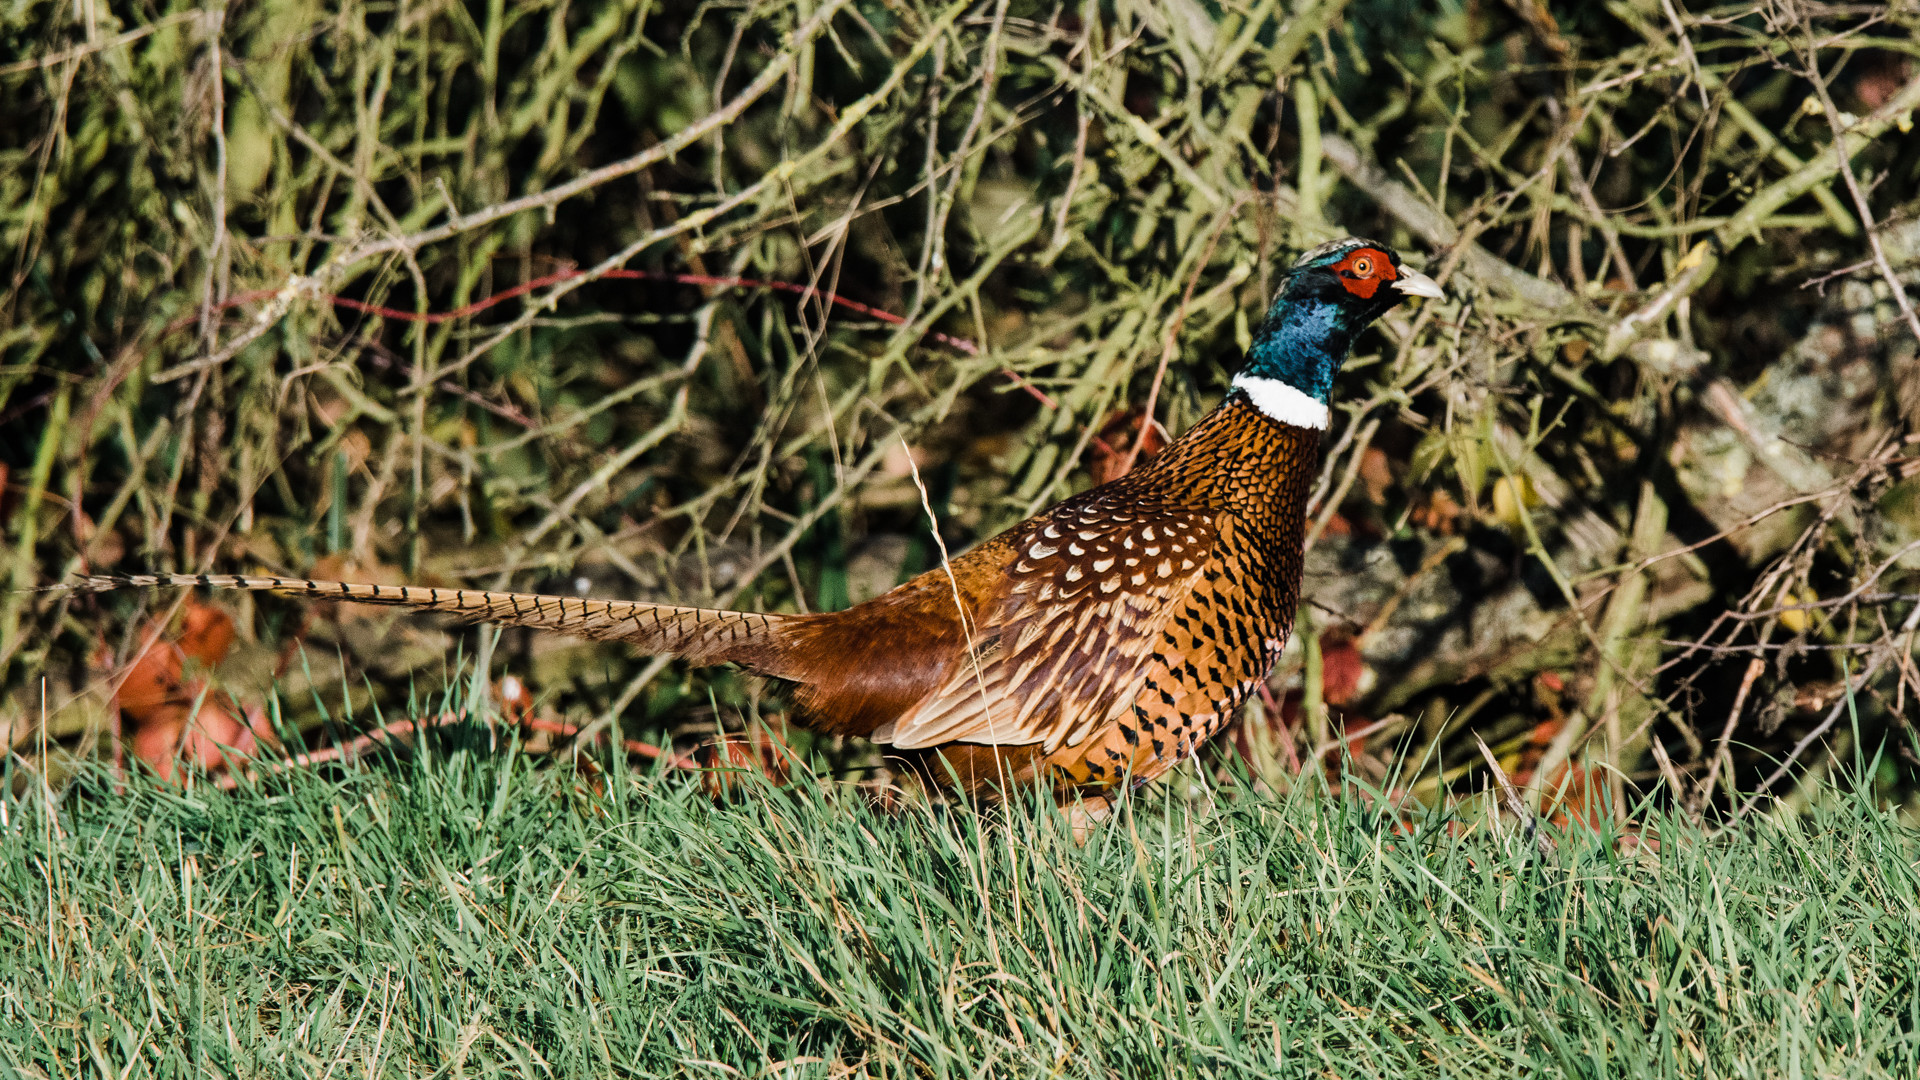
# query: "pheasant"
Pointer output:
{"type": "Point", "coordinates": [1089, 648]}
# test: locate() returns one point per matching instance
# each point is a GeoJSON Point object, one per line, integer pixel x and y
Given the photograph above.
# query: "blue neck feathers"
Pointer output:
{"type": "Point", "coordinates": [1302, 342]}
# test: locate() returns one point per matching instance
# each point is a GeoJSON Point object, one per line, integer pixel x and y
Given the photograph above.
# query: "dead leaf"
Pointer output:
{"type": "Point", "coordinates": [172, 715]}
{"type": "Point", "coordinates": [1107, 453]}
{"type": "Point", "coordinates": [723, 761]}
{"type": "Point", "coordinates": [1376, 472]}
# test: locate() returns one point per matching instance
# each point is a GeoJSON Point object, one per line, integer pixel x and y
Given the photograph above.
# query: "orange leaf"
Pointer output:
{"type": "Point", "coordinates": [1107, 456]}
{"type": "Point", "coordinates": [1341, 667]}
{"type": "Point", "coordinates": [759, 750]}
{"type": "Point", "coordinates": [152, 682]}
{"type": "Point", "coordinates": [215, 740]}
{"type": "Point", "coordinates": [206, 633]}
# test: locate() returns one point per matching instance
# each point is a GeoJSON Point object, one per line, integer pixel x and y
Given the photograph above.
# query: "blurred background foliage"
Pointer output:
{"type": "Point", "coordinates": [451, 293]}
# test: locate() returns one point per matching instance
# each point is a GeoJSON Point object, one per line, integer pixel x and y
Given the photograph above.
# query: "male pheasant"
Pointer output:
{"type": "Point", "coordinates": [1090, 647]}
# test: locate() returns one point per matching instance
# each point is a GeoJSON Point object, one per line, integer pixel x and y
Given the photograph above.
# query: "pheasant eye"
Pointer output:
{"type": "Point", "coordinates": [1363, 266]}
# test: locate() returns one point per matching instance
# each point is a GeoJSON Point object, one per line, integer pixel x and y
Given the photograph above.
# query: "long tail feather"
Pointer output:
{"type": "Point", "coordinates": [701, 635]}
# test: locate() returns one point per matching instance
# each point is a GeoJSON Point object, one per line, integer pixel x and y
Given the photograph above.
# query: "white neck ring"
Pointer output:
{"type": "Point", "coordinates": [1284, 403]}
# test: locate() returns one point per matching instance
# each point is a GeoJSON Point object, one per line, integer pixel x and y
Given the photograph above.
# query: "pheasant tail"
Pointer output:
{"type": "Point", "coordinates": [855, 670]}
{"type": "Point", "coordinates": [701, 635]}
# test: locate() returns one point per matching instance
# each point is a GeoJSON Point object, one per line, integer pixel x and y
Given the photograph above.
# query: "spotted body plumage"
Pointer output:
{"type": "Point", "coordinates": [1137, 617]}
{"type": "Point", "coordinates": [1089, 648]}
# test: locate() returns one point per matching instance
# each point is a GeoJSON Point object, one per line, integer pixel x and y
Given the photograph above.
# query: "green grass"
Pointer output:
{"type": "Point", "coordinates": [472, 910]}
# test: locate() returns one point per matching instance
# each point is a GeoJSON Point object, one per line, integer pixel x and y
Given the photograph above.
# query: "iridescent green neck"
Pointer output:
{"type": "Point", "coordinates": [1301, 343]}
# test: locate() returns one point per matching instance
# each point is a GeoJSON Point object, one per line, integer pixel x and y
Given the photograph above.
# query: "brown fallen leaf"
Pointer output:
{"type": "Point", "coordinates": [170, 713]}
{"type": "Point", "coordinates": [1107, 453]}
{"type": "Point", "coordinates": [213, 739]}
{"type": "Point", "coordinates": [725, 760]}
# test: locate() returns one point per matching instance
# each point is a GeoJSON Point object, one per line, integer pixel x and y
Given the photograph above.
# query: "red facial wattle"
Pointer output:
{"type": "Point", "coordinates": [1364, 270]}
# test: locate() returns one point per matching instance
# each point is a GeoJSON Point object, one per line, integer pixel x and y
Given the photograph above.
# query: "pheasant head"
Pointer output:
{"type": "Point", "coordinates": [1326, 298]}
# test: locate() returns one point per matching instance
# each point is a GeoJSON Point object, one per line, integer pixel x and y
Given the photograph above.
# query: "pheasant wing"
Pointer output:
{"type": "Point", "coordinates": [1091, 588]}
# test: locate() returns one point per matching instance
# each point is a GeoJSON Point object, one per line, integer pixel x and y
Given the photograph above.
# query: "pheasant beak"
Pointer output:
{"type": "Point", "coordinates": [1414, 283]}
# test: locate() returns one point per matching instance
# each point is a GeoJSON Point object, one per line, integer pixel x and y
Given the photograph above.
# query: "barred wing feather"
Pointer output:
{"type": "Point", "coordinates": [1088, 594]}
